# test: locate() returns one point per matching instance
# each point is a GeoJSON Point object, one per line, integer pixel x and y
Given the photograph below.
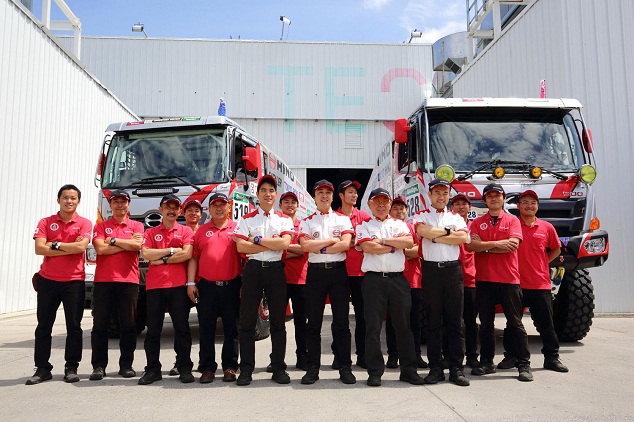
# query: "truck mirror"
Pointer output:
{"type": "Point", "coordinates": [401, 129]}
{"type": "Point", "coordinates": [102, 162]}
{"type": "Point", "coordinates": [251, 158]}
{"type": "Point", "coordinates": [587, 140]}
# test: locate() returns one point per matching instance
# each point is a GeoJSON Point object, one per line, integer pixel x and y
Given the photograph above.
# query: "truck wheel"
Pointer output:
{"type": "Point", "coordinates": [262, 325]}
{"type": "Point", "coordinates": [573, 308]}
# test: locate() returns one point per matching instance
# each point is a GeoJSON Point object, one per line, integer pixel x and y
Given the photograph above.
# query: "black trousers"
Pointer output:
{"type": "Point", "coordinates": [297, 295]}
{"type": "Point", "coordinates": [391, 296]}
{"type": "Point", "coordinates": [320, 283]}
{"type": "Point", "coordinates": [176, 301]}
{"type": "Point", "coordinates": [50, 294]}
{"type": "Point", "coordinates": [255, 280]}
{"type": "Point", "coordinates": [415, 323]}
{"type": "Point", "coordinates": [106, 298]}
{"type": "Point", "coordinates": [509, 296]}
{"type": "Point", "coordinates": [443, 297]}
{"type": "Point", "coordinates": [540, 303]}
{"type": "Point", "coordinates": [218, 301]}
{"type": "Point", "coordinates": [469, 316]}
{"type": "Point", "coordinates": [356, 296]}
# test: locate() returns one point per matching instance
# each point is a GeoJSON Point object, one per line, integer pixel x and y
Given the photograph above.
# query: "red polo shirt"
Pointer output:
{"type": "Point", "coordinates": [122, 266]}
{"type": "Point", "coordinates": [412, 265]}
{"type": "Point", "coordinates": [467, 261]}
{"type": "Point", "coordinates": [496, 267]}
{"type": "Point", "coordinates": [354, 258]}
{"type": "Point", "coordinates": [64, 267]}
{"type": "Point", "coordinates": [297, 267]}
{"type": "Point", "coordinates": [533, 258]}
{"type": "Point", "coordinates": [170, 275]}
{"type": "Point", "coordinates": [216, 252]}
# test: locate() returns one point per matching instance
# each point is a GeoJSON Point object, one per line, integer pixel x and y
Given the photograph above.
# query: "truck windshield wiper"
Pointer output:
{"type": "Point", "coordinates": [492, 163]}
{"type": "Point", "coordinates": [157, 179]}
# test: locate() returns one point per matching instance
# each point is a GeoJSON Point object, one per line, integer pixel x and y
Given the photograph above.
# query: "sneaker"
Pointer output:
{"type": "Point", "coordinates": [374, 381]}
{"type": "Point", "coordinates": [174, 371]}
{"type": "Point", "coordinates": [525, 373]}
{"type": "Point", "coordinates": [412, 377]}
{"type": "Point", "coordinates": [435, 375]}
{"type": "Point", "coordinates": [458, 377]}
{"type": "Point", "coordinates": [311, 376]}
{"type": "Point", "coordinates": [346, 376]}
{"type": "Point", "coordinates": [555, 364]}
{"type": "Point", "coordinates": [149, 377]}
{"type": "Point", "coordinates": [97, 374]}
{"type": "Point", "coordinates": [473, 362]}
{"type": "Point", "coordinates": [245, 378]}
{"type": "Point", "coordinates": [483, 369]}
{"type": "Point", "coordinates": [70, 375]}
{"type": "Point", "coordinates": [229, 375]}
{"type": "Point", "coordinates": [361, 362]}
{"type": "Point", "coordinates": [420, 362]}
{"type": "Point", "coordinates": [281, 377]}
{"type": "Point", "coordinates": [186, 377]}
{"type": "Point", "coordinates": [507, 363]}
{"type": "Point", "coordinates": [302, 362]}
{"type": "Point", "coordinates": [392, 362]}
{"type": "Point", "coordinates": [39, 376]}
{"type": "Point", "coordinates": [127, 372]}
{"type": "Point", "coordinates": [335, 364]}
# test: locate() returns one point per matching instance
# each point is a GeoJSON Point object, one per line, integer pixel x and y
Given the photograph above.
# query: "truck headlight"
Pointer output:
{"type": "Point", "coordinates": [587, 174]}
{"type": "Point", "coordinates": [445, 172]}
{"type": "Point", "coordinates": [595, 245]}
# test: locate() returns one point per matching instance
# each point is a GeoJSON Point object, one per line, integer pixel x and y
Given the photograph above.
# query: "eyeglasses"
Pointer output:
{"type": "Point", "coordinates": [381, 201]}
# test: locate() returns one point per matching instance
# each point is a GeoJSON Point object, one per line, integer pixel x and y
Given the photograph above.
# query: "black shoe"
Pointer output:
{"type": "Point", "coordinates": [412, 377]}
{"type": "Point", "coordinates": [335, 364]}
{"type": "Point", "coordinates": [39, 376]}
{"type": "Point", "coordinates": [244, 378]}
{"type": "Point", "coordinates": [525, 373]}
{"type": "Point", "coordinates": [392, 362]}
{"type": "Point", "coordinates": [127, 372]}
{"type": "Point", "coordinates": [473, 362]}
{"type": "Point", "coordinates": [311, 376]}
{"type": "Point", "coordinates": [484, 368]}
{"type": "Point", "coordinates": [458, 377]}
{"type": "Point", "coordinates": [302, 362]}
{"type": "Point", "coordinates": [555, 364]}
{"type": "Point", "coordinates": [281, 377]}
{"type": "Point", "coordinates": [374, 381]}
{"type": "Point", "coordinates": [149, 377]}
{"type": "Point", "coordinates": [507, 363]}
{"type": "Point", "coordinates": [420, 362]}
{"type": "Point", "coordinates": [435, 375]}
{"type": "Point", "coordinates": [269, 368]}
{"type": "Point", "coordinates": [361, 362]}
{"type": "Point", "coordinates": [186, 377]}
{"type": "Point", "coordinates": [70, 375]}
{"type": "Point", "coordinates": [97, 374]}
{"type": "Point", "coordinates": [346, 376]}
{"type": "Point", "coordinates": [174, 371]}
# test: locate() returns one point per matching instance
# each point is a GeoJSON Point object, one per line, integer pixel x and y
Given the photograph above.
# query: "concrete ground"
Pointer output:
{"type": "Point", "coordinates": [599, 385]}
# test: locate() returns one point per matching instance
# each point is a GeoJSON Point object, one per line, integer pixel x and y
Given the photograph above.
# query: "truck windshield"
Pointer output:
{"type": "Point", "coordinates": [465, 138]}
{"type": "Point", "coordinates": [197, 156]}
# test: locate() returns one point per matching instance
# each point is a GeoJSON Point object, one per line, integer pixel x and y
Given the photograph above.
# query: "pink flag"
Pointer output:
{"type": "Point", "coordinates": [542, 88]}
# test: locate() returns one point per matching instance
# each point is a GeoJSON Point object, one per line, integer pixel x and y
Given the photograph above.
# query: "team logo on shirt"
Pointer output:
{"type": "Point", "coordinates": [336, 233]}
{"type": "Point", "coordinates": [483, 226]}
{"type": "Point", "coordinates": [275, 235]}
{"type": "Point", "coordinates": [209, 233]}
{"type": "Point", "coordinates": [37, 230]}
{"type": "Point", "coordinates": [158, 237]}
{"type": "Point", "coordinates": [54, 227]}
{"type": "Point", "coordinates": [316, 235]}
{"type": "Point", "coordinates": [108, 230]}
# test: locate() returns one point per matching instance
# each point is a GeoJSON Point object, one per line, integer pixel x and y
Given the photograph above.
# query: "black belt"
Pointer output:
{"type": "Point", "coordinates": [217, 283]}
{"type": "Point", "coordinates": [327, 265]}
{"type": "Point", "coordinates": [441, 264]}
{"type": "Point", "coordinates": [266, 264]}
{"type": "Point", "coordinates": [384, 275]}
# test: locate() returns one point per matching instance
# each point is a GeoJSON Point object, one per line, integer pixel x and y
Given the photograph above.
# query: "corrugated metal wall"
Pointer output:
{"type": "Point", "coordinates": [584, 50]}
{"type": "Point", "coordinates": [330, 99]}
{"type": "Point", "coordinates": [53, 119]}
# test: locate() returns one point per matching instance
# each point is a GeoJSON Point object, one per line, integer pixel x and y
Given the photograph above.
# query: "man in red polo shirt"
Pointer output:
{"type": "Point", "coordinates": [461, 205]}
{"type": "Point", "coordinates": [61, 239]}
{"type": "Point", "coordinates": [117, 242]}
{"type": "Point", "coordinates": [168, 247]}
{"type": "Point", "coordinates": [540, 245]}
{"type": "Point", "coordinates": [495, 238]}
{"type": "Point", "coordinates": [217, 261]}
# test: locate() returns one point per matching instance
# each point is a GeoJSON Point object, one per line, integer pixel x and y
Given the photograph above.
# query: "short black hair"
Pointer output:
{"type": "Point", "coordinates": [68, 187]}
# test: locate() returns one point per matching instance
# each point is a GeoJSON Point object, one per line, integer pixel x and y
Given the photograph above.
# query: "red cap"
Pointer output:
{"type": "Point", "coordinates": [267, 178]}
{"type": "Point", "coordinates": [323, 184]}
{"type": "Point", "coordinates": [195, 202]}
{"type": "Point", "coordinates": [460, 196]}
{"type": "Point", "coordinates": [529, 193]}
{"type": "Point", "coordinates": [398, 200]}
{"type": "Point", "coordinates": [287, 194]}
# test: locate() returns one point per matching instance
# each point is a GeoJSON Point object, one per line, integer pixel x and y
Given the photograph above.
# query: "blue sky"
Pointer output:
{"type": "Point", "coordinates": [319, 20]}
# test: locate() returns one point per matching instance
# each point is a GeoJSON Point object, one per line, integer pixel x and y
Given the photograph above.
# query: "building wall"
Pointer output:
{"type": "Point", "coordinates": [584, 50]}
{"type": "Point", "coordinates": [53, 118]}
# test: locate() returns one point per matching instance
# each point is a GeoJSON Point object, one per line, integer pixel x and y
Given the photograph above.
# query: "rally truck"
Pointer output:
{"type": "Point", "coordinates": [538, 144]}
{"type": "Point", "coordinates": [190, 157]}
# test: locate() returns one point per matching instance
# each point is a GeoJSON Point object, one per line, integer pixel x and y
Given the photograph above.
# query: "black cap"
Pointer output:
{"type": "Point", "coordinates": [119, 194]}
{"type": "Point", "coordinates": [170, 198]}
{"type": "Point", "coordinates": [380, 192]}
{"type": "Point", "coordinates": [195, 202]}
{"type": "Point", "coordinates": [493, 187]}
{"type": "Point", "coordinates": [399, 200]}
{"type": "Point", "coordinates": [438, 182]}
{"type": "Point", "coordinates": [218, 196]}
{"type": "Point", "coordinates": [267, 178]}
{"type": "Point", "coordinates": [346, 184]}
{"type": "Point", "coordinates": [460, 196]}
{"type": "Point", "coordinates": [323, 183]}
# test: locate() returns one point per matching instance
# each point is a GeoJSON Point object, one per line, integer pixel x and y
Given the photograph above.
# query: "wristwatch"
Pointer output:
{"type": "Point", "coordinates": [322, 250]}
{"type": "Point", "coordinates": [55, 245]}
{"type": "Point", "coordinates": [113, 240]}
{"type": "Point", "coordinates": [448, 230]}
{"type": "Point", "coordinates": [433, 240]}
{"type": "Point", "coordinates": [257, 240]}
{"type": "Point", "coordinates": [171, 251]}
{"type": "Point", "coordinates": [393, 249]}
{"type": "Point", "coordinates": [165, 258]}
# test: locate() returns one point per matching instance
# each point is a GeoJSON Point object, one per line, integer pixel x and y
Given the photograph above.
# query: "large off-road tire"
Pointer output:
{"type": "Point", "coordinates": [573, 308]}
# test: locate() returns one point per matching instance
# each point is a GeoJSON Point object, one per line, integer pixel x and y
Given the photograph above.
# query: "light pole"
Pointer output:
{"type": "Point", "coordinates": [139, 28]}
{"type": "Point", "coordinates": [414, 34]}
{"type": "Point", "coordinates": [286, 21]}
